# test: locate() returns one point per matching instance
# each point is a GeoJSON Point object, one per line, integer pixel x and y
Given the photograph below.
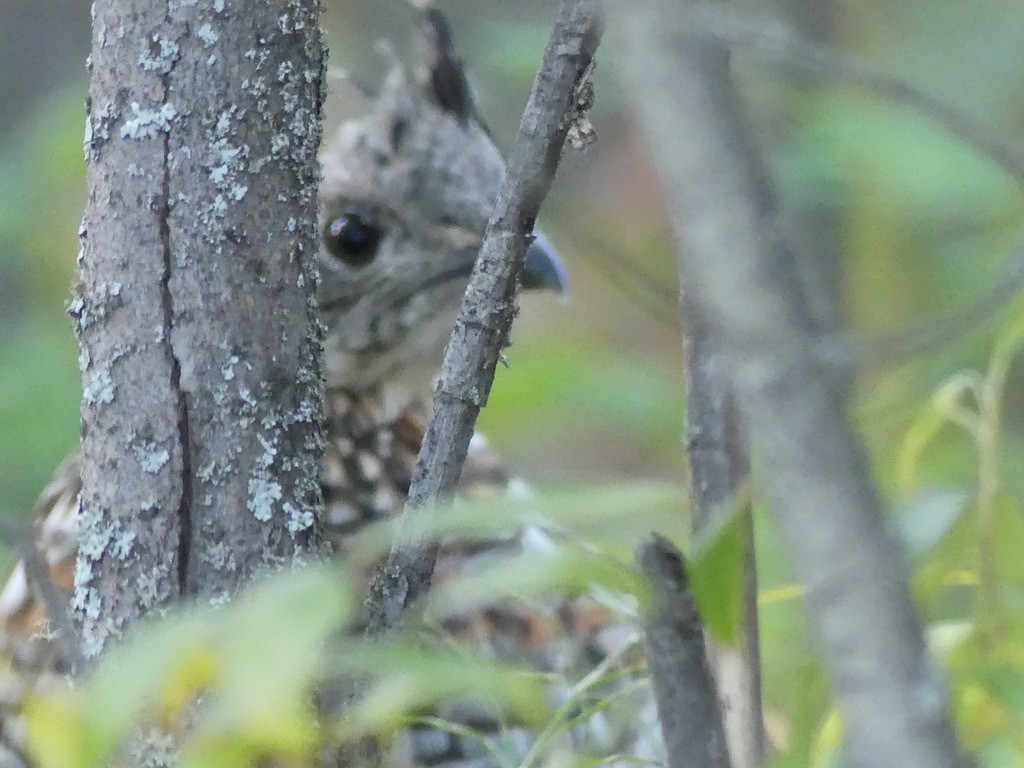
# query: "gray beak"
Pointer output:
{"type": "Point", "coordinates": [542, 268]}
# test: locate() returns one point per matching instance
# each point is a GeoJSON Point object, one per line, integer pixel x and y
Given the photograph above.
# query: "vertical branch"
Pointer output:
{"type": "Point", "coordinates": [719, 466]}
{"type": "Point", "coordinates": [195, 315]}
{"type": "Point", "coordinates": [740, 276]}
{"type": "Point", "coordinates": [685, 693]}
{"type": "Point", "coordinates": [481, 330]}
{"type": "Point", "coordinates": [719, 462]}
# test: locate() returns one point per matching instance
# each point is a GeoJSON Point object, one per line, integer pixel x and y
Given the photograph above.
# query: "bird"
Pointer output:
{"type": "Point", "coordinates": [406, 192]}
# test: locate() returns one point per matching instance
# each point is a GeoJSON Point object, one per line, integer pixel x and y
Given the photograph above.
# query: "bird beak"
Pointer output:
{"type": "Point", "coordinates": [542, 268]}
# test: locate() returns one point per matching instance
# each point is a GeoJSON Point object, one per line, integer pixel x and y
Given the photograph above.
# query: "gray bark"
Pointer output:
{"type": "Point", "coordinates": [200, 359]}
{"type": "Point", "coordinates": [719, 460]}
{"type": "Point", "coordinates": [557, 104]}
{"type": "Point", "coordinates": [740, 276]}
{"type": "Point", "coordinates": [688, 710]}
{"type": "Point", "coordinates": [718, 452]}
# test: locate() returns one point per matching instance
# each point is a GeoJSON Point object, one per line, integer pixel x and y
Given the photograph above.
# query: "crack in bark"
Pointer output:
{"type": "Point", "coordinates": [184, 514]}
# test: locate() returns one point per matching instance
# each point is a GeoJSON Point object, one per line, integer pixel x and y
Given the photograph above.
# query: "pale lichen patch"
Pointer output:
{"type": "Point", "coordinates": [97, 129]}
{"type": "Point", "coordinates": [86, 602]}
{"type": "Point", "coordinates": [94, 537]}
{"type": "Point", "coordinates": [150, 588]}
{"type": "Point", "coordinates": [278, 143]}
{"type": "Point", "coordinates": [264, 492]}
{"type": "Point", "coordinates": [100, 388]}
{"type": "Point", "coordinates": [94, 634]}
{"type": "Point", "coordinates": [208, 471]}
{"type": "Point", "coordinates": [221, 598]}
{"type": "Point", "coordinates": [155, 749]}
{"type": "Point", "coordinates": [89, 308]}
{"type": "Point", "coordinates": [227, 371]}
{"type": "Point", "coordinates": [122, 544]}
{"type": "Point", "coordinates": [148, 123]}
{"type": "Point", "coordinates": [159, 54]}
{"type": "Point", "coordinates": [207, 34]}
{"type": "Point", "coordinates": [298, 519]}
{"type": "Point", "coordinates": [151, 457]}
{"type": "Point", "coordinates": [218, 174]}
{"type": "Point", "coordinates": [83, 571]}
{"type": "Point", "coordinates": [220, 556]}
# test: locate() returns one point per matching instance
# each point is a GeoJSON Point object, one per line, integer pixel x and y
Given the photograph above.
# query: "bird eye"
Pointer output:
{"type": "Point", "coordinates": [352, 237]}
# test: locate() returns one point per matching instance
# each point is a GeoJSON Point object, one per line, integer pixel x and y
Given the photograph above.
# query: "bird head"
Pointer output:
{"type": "Point", "coordinates": [406, 193]}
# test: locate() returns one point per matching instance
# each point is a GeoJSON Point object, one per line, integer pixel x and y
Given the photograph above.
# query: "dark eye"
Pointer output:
{"type": "Point", "coordinates": [352, 237]}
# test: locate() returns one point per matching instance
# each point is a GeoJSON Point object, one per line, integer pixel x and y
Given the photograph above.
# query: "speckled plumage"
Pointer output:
{"type": "Point", "coordinates": [421, 172]}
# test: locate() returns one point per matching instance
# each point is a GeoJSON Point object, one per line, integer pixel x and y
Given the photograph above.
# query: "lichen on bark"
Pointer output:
{"type": "Point", "coordinates": [202, 369]}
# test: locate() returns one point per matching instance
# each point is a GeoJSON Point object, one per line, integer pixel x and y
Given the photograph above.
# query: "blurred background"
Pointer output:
{"type": "Point", "coordinates": [910, 224]}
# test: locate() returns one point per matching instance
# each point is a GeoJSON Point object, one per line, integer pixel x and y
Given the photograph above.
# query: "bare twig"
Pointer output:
{"type": "Point", "coordinates": [718, 453]}
{"type": "Point", "coordinates": [691, 724]}
{"type": "Point", "coordinates": [719, 463]}
{"type": "Point", "coordinates": [482, 327]}
{"type": "Point", "coordinates": [741, 278]}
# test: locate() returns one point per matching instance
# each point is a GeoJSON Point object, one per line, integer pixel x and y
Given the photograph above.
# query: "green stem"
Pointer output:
{"type": "Point", "coordinates": [989, 469]}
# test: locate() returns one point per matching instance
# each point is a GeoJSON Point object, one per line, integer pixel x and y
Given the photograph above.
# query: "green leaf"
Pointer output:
{"type": "Point", "coordinates": [266, 671]}
{"type": "Point", "coordinates": [1008, 542]}
{"type": "Point", "coordinates": [1011, 334]}
{"type": "Point", "coordinates": [569, 571]}
{"type": "Point", "coordinates": [1000, 752]}
{"type": "Point", "coordinates": [254, 661]}
{"type": "Point", "coordinates": [611, 517]}
{"type": "Point", "coordinates": [919, 171]}
{"type": "Point", "coordinates": [716, 575]}
{"type": "Point", "coordinates": [58, 734]}
{"type": "Point", "coordinates": [409, 678]}
{"type": "Point", "coordinates": [944, 406]}
{"type": "Point", "coordinates": [938, 578]}
{"type": "Point", "coordinates": [130, 681]}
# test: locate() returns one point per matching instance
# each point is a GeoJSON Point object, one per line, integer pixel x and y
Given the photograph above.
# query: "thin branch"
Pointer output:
{"type": "Point", "coordinates": [718, 457]}
{"type": "Point", "coordinates": [719, 460]}
{"type": "Point", "coordinates": [742, 279]}
{"type": "Point", "coordinates": [718, 453]}
{"type": "Point", "coordinates": [684, 692]}
{"type": "Point", "coordinates": [556, 105]}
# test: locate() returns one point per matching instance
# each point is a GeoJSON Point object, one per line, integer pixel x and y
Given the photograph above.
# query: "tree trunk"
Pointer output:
{"type": "Point", "coordinates": [740, 275]}
{"type": "Point", "coordinates": [202, 394]}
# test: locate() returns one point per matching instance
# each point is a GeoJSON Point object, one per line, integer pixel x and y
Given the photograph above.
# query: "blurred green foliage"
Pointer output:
{"type": "Point", "coordinates": [920, 224]}
{"type": "Point", "coordinates": [41, 192]}
{"type": "Point", "coordinates": [233, 689]}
